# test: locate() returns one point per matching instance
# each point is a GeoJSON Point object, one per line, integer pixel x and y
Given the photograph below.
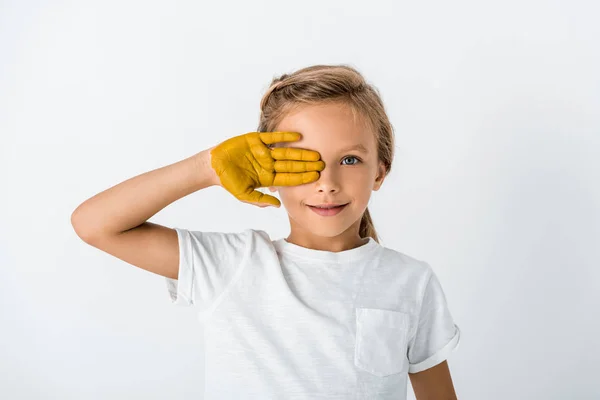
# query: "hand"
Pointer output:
{"type": "Point", "coordinates": [244, 163]}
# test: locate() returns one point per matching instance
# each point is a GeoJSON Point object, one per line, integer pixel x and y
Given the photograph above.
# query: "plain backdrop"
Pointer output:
{"type": "Point", "coordinates": [495, 183]}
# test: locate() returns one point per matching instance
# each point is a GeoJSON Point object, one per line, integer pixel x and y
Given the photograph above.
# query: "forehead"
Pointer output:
{"type": "Point", "coordinates": [327, 127]}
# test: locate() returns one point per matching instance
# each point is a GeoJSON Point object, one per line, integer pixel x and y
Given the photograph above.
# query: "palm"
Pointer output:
{"type": "Point", "coordinates": [247, 174]}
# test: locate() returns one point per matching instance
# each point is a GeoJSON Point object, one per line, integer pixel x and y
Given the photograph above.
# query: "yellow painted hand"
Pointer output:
{"type": "Point", "coordinates": [246, 162]}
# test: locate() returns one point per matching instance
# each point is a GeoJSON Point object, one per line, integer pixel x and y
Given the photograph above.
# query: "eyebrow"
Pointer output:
{"type": "Point", "coordinates": [358, 147]}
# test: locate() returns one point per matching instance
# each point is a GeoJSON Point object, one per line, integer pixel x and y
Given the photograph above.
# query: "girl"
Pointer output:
{"type": "Point", "coordinates": [326, 313]}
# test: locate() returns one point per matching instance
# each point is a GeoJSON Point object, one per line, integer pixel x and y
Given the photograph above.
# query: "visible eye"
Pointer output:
{"type": "Point", "coordinates": [356, 158]}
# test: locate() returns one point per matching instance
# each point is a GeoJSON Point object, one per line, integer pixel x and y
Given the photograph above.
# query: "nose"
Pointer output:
{"type": "Point", "coordinates": [328, 181]}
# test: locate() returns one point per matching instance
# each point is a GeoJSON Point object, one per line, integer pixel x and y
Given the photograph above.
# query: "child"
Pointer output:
{"type": "Point", "coordinates": [326, 313]}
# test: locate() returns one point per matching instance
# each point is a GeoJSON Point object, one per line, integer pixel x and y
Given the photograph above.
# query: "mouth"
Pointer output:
{"type": "Point", "coordinates": [328, 210]}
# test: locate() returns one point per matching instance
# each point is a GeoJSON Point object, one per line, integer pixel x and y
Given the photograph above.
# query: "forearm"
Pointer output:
{"type": "Point", "coordinates": [134, 201]}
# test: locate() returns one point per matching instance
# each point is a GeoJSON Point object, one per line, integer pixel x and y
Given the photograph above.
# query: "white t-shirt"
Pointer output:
{"type": "Point", "coordinates": [283, 321]}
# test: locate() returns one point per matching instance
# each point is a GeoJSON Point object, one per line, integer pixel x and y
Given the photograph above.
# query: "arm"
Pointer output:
{"type": "Point", "coordinates": [115, 220]}
{"type": "Point", "coordinates": [434, 383]}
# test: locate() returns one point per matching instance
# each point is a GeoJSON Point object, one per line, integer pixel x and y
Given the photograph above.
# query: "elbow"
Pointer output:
{"type": "Point", "coordinates": [78, 226]}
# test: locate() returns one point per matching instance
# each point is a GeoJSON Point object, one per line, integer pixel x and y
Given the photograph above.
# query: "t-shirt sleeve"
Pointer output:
{"type": "Point", "coordinates": [436, 335]}
{"type": "Point", "coordinates": [208, 263]}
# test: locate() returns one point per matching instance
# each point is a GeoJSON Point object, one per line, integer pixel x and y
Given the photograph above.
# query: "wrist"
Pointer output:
{"type": "Point", "coordinates": [204, 172]}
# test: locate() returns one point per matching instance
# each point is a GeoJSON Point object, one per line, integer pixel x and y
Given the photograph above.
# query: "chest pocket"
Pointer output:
{"type": "Point", "coordinates": [381, 341]}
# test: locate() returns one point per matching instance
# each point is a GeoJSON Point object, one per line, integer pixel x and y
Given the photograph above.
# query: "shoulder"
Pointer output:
{"type": "Point", "coordinates": [395, 280]}
{"type": "Point", "coordinates": [412, 270]}
{"type": "Point", "coordinates": [219, 243]}
{"type": "Point", "coordinates": [242, 240]}
{"type": "Point", "coordinates": [245, 234]}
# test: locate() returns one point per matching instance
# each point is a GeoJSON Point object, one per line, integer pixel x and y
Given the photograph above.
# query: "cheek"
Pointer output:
{"type": "Point", "coordinates": [357, 180]}
{"type": "Point", "coordinates": [290, 194]}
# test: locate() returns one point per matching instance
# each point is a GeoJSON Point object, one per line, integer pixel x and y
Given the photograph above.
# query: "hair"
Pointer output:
{"type": "Point", "coordinates": [340, 83]}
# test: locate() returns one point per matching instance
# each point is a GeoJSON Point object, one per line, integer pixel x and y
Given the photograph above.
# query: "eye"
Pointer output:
{"type": "Point", "coordinates": [356, 158]}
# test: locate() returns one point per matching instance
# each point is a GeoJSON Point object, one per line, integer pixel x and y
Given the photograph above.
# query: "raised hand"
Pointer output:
{"type": "Point", "coordinates": [246, 162]}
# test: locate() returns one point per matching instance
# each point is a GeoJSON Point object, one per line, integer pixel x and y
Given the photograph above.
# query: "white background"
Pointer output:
{"type": "Point", "coordinates": [495, 182]}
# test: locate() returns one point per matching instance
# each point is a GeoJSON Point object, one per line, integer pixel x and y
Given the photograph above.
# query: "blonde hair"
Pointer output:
{"type": "Point", "coordinates": [332, 83]}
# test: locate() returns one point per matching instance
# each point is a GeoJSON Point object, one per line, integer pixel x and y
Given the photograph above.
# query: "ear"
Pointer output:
{"type": "Point", "coordinates": [380, 177]}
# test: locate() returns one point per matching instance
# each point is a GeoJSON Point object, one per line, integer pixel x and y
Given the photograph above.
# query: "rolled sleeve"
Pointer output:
{"type": "Point", "coordinates": [436, 335]}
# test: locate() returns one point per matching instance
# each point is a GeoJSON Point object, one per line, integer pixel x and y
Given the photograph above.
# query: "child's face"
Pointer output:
{"type": "Point", "coordinates": [349, 175]}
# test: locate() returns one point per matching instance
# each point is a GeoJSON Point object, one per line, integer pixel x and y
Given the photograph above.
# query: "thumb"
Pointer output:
{"type": "Point", "coordinates": [258, 197]}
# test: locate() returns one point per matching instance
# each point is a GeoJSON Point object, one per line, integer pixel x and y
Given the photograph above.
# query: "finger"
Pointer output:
{"type": "Point", "coordinates": [293, 153]}
{"type": "Point", "coordinates": [279, 136]}
{"type": "Point", "coordinates": [298, 166]}
{"type": "Point", "coordinates": [293, 179]}
{"type": "Point", "coordinates": [258, 197]}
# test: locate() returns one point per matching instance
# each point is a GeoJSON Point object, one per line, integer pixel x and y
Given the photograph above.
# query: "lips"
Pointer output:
{"type": "Point", "coordinates": [326, 206]}
{"type": "Point", "coordinates": [328, 211]}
